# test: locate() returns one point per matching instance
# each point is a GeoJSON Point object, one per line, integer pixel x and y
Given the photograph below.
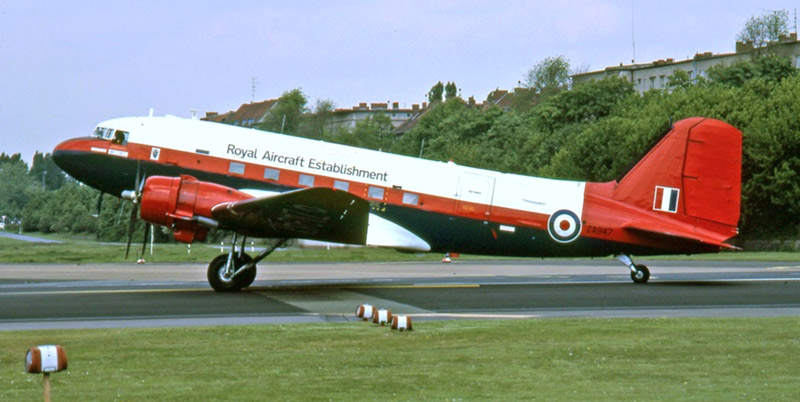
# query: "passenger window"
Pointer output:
{"type": "Point", "coordinates": [306, 180]}
{"type": "Point", "coordinates": [341, 185]}
{"type": "Point", "coordinates": [236, 168]}
{"type": "Point", "coordinates": [375, 192]}
{"type": "Point", "coordinates": [272, 174]}
{"type": "Point", "coordinates": [410, 199]}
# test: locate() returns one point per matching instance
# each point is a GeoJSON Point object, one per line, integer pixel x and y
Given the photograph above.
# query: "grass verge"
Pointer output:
{"type": "Point", "coordinates": [551, 359]}
{"type": "Point", "coordinates": [81, 250]}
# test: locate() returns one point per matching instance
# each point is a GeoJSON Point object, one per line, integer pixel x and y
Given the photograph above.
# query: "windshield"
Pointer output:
{"type": "Point", "coordinates": [116, 136]}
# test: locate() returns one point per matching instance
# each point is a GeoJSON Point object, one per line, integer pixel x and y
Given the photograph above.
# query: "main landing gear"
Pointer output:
{"type": "Point", "coordinates": [639, 272]}
{"type": "Point", "coordinates": [236, 270]}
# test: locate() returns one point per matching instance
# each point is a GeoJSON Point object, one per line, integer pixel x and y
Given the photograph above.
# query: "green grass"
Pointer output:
{"type": "Point", "coordinates": [549, 359]}
{"type": "Point", "coordinates": [83, 250]}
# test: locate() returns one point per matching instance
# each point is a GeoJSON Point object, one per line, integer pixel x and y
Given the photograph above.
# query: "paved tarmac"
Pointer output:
{"type": "Point", "coordinates": [128, 295]}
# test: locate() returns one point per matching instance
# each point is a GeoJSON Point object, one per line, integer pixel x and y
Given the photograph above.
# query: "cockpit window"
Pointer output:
{"type": "Point", "coordinates": [102, 132]}
{"type": "Point", "coordinates": [116, 136]}
{"type": "Point", "coordinates": [120, 137]}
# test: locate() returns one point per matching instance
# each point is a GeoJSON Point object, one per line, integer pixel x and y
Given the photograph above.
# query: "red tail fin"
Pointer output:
{"type": "Point", "coordinates": [693, 175]}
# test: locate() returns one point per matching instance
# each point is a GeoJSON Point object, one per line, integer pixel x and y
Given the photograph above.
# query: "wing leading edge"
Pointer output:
{"type": "Point", "coordinates": [313, 213]}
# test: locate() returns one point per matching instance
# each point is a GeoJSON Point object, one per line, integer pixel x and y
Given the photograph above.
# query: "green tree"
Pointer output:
{"type": "Point", "coordinates": [315, 124]}
{"type": "Point", "coordinates": [770, 68]}
{"type": "Point", "coordinates": [286, 116]}
{"type": "Point", "coordinates": [680, 79]}
{"type": "Point", "coordinates": [450, 90]}
{"type": "Point", "coordinates": [766, 28]}
{"type": "Point", "coordinates": [375, 132]}
{"type": "Point", "coordinates": [550, 76]}
{"type": "Point", "coordinates": [44, 168]}
{"type": "Point", "coordinates": [14, 185]}
{"type": "Point", "coordinates": [436, 92]}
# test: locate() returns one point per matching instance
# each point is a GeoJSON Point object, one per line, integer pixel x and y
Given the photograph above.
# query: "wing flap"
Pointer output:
{"type": "Point", "coordinates": [313, 213]}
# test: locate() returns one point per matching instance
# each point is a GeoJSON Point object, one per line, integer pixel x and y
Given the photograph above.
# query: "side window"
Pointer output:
{"type": "Point", "coordinates": [120, 137]}
{"type": "Point", "coordinates": [341, 185]}
{"type": "Point", "coordinates": [306, 180]}
{"type": "Point", "coordinates": [410, 199]}
{"type": "Point", "coordinates": [272, 174]}
{"type": "Point", "coordinates": [375, 192]}
{"type": "Point", "coordinates": [236, 168]}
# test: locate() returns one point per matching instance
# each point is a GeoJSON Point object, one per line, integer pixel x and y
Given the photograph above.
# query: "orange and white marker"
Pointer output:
{"type": "Point", "coordinates": [401, 322]}
{"type": "Point", "coordinates": [364, 312]}
{"type": "Point", "coordinates": [382, 317]}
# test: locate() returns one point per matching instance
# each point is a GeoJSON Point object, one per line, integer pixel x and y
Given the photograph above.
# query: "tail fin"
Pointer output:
{"type": "Point", "coordinates": [692, 175]}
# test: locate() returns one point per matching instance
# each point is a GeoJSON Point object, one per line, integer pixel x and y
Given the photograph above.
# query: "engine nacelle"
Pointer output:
{"type": "Point", "coordinates": [184, 204]}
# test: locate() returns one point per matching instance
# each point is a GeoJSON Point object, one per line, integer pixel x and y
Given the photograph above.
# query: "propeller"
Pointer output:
{"type": "Point", "coordinates": [147, 228]}
{"type": "Point", "coordinates": [135, 196]}
{"type": "Point", "coordinates": [99, 204]}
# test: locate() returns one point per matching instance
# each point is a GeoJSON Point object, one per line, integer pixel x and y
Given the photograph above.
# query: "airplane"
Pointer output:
{"type": "Point", "coordinates": [682, 197]}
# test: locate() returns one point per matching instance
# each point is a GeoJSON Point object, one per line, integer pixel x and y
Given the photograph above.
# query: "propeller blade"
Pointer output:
{"type": "Point", "coordinates": [136, 183]}
{"type": "Point", "coordinates": [131, 228]}
{"type": "Point", "coordinates": [134, 196]}
{"type": "Point", "coordinates": [99, 204]}
{"type": "Point", "coordinates": [144, 240]}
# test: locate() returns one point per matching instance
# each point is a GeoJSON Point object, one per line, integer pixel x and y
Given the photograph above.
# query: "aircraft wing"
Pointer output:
{"type": "Point", "coordinates": [312, 213]}
{"type": "Point", "coordinates": [674, 232]}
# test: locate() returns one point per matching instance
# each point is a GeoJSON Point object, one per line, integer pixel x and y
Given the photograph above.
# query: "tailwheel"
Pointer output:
{"type": "Point", "coordinates": [641, 274]}
{"type": "Point", "coordinates": [222, 279]}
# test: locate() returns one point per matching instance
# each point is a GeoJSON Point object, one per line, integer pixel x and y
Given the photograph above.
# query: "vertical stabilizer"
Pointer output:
{"type": "Point", "coordinates": [693, 175]}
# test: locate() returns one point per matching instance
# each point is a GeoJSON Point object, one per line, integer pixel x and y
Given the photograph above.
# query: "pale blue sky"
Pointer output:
{"type": "Point", "coordinates": [66, 65]}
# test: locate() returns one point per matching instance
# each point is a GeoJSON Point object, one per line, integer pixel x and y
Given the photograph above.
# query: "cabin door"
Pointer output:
{"type": "Point", "coordinates": [474, 197]}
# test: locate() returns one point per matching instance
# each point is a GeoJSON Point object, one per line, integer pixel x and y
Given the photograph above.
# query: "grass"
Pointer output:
{"type": "Point", "coordinates": [549, 359]}
{"type": "Point", "coordinates": [84, 250]}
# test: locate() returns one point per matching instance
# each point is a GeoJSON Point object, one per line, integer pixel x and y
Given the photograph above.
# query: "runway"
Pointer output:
{"type": "Point", "coordinates": [130, 295]}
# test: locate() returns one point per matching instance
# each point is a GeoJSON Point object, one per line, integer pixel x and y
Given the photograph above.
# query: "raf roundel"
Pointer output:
{"type": "Point", "coordinates": [564, 226]}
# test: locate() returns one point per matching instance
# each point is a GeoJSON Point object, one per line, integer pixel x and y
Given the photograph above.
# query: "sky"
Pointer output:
{"type": "Point", "coordinates": [67, 65]}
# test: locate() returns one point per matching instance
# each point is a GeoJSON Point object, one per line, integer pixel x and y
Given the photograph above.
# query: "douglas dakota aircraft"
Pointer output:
{"type": "Point", "coordinates": [682, 197]}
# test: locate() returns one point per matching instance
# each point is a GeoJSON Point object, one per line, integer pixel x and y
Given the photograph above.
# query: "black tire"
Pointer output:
{"type": "Point", "coordinates": [642, 274]}
{"type": "Point", "coordinates": [217, 281]}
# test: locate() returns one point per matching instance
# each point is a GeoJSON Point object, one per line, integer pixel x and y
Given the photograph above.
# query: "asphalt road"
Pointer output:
{"type": "Point", "coordinates": [92, 296]}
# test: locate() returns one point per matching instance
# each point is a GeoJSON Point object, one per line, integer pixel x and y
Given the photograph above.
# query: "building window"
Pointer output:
{"type": "Point", "coordinates": [306, 180]}
{"type": "Point", "coordinates": [410, 199]}
{"type": "Point", "coordinates": [272, 174]}
{"type": "Point", "coordinates": [375, 192]}
{"type": "Point", "coordinates": [341, 185]}
{"type": "Point", "coordinates": [236, 168]}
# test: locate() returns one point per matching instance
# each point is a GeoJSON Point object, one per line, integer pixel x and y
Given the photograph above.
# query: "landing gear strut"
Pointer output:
{"type": "Point", "coordinates": [639, 272]}
{"type": "Point", "coordinates": [236, 270]}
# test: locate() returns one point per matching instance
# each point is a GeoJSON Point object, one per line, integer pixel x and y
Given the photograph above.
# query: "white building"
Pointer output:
{"type": "Point", "coordinates": [656, 75]}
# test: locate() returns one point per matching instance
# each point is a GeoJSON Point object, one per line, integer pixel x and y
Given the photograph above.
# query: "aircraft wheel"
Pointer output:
{"type": "Point", "coordinates": [642, 274]}
{"type": "Point", "coordinates": [220, 283]}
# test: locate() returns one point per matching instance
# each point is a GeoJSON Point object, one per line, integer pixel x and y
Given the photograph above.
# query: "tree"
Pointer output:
{"type": "Point", "coordinates": [435, 94]}
{"type": "Point", "coordinates": [285, 117]}
{"type": "Point", "coordinates": [14, 185]}
{"type": "Point", "coordinates": [315, 124]}
{"type": "Point", "coordinates": [375, 132]}
{"type": "Point", "coordinates": [450, 90]}
{"type": "Point", "coordinates": [762, 30]}
{"type": "Point", "coordinates": [550, 76]}
{"type": "Point", "coordinates": [44, 168]}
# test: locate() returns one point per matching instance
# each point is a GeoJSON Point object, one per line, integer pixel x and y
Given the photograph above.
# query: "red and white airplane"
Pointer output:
{"type": "Point", "coordinates": [192, 175]}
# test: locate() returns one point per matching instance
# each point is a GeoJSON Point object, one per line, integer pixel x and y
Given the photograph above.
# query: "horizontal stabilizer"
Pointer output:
{"type": "Point", "coordinates": [666, 230]}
